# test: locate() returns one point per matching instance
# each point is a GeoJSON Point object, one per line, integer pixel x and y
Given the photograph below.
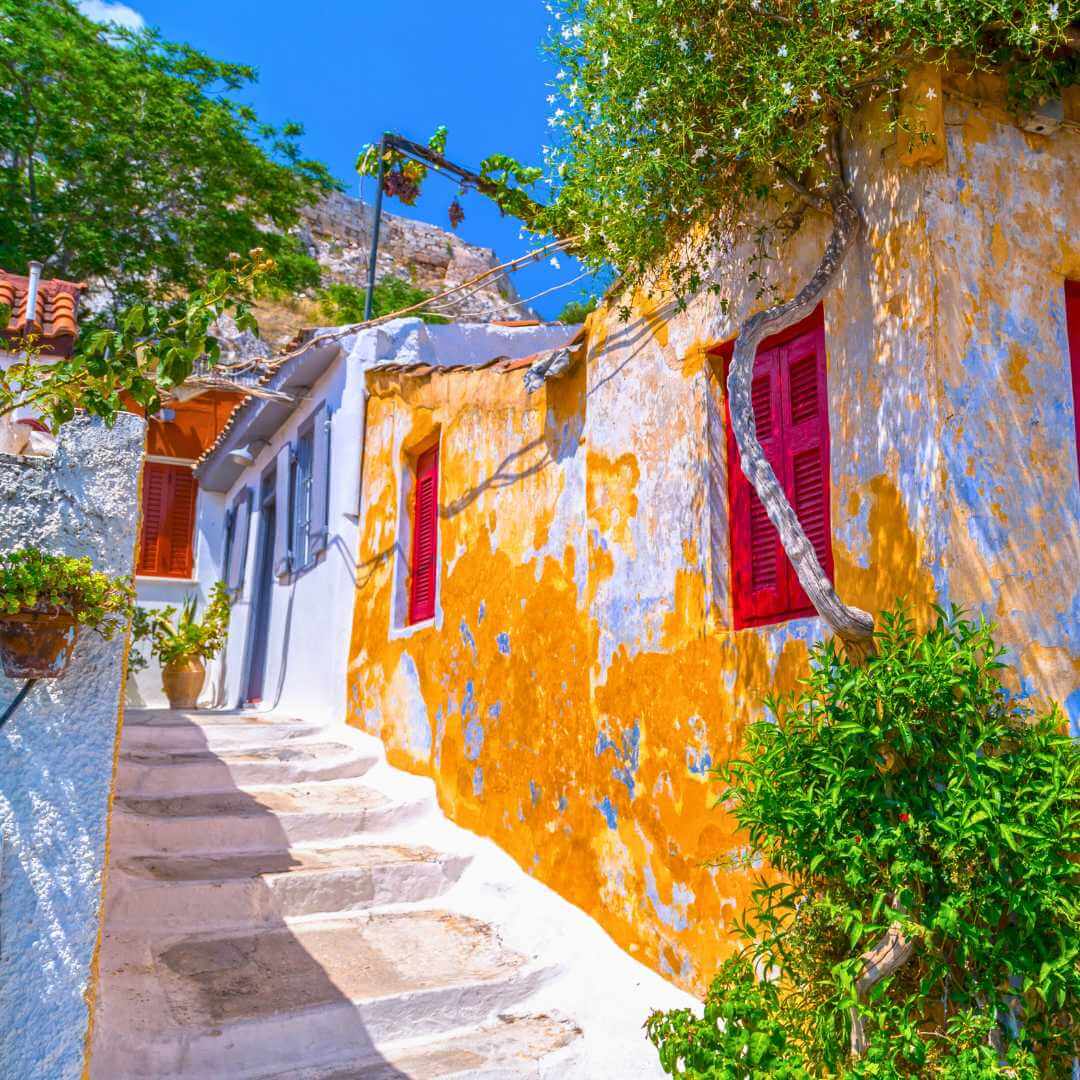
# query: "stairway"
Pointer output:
{"type": "Point", "coordinates": [283, 904]}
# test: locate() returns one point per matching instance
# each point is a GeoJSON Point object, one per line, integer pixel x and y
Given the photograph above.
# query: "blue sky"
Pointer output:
{"type": "Point", "coordinates": [347, 69]}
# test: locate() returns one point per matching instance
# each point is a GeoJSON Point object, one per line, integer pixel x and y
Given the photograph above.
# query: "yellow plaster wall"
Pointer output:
{"type": "Point", "coordinates": [583, 674]}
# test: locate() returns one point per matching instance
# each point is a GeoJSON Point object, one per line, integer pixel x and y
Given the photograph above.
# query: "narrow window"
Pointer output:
{"type": "Point", "coordinates": [425, 538]}
{"type": "Point", "coordinates": [1072, 321]}
{"type": "Point", "coordinates": [790, 402]}
{"type": "Point", "coordinates": [301, 499]}
{"type": "Point", "coordinates": [168, 525]}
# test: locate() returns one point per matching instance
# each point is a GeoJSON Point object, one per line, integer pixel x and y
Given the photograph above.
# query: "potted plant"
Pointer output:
{"type": "Point", "coordinates": [45, 600]}
{"type": "Point", "coordinates": [182, 643]}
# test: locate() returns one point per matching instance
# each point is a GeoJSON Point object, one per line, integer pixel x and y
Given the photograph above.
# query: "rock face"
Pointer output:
{"type": "Point", "coordinates": [337, 232]}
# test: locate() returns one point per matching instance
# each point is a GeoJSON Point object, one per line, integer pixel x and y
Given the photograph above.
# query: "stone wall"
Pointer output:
{"type": "Point", "coordinates": [57, 755]}
{"type": "Point", "coordinates": [337, 232]}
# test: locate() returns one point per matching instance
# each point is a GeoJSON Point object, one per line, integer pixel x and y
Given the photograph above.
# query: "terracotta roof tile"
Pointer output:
{"type": "Point", "coordinates": [55, 318]}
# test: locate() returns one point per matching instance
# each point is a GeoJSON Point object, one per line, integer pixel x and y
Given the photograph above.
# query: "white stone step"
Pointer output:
{"type": "Point", "coordinates": [243, 1004]}
{"type": "Point", "coordinates": [173, 772]}
{"type": "Point", "coordinates": [509, 1048]}
{"type": "Point", "coordinates": [258, 819]}
{"type": "Point", "coordinates": [171, 893]}
{"type": "Point", "coordinates": [200, 733]}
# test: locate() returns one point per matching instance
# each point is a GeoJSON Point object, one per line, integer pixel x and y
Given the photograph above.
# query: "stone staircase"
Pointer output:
{"type": "Point", "coordinates": [283, 904]}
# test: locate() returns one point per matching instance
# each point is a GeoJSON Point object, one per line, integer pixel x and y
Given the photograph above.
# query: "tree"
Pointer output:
{"type": "Point", "coordinates": [679, 126]}
{"type": "Point", "coordinates": [151, 350]}
{"type": "Point", "coordinates": [578, 310]}
{"type": "Point", "coordinates": [126, 160]}
{"type": "Point", "coordinates": [908, 798]}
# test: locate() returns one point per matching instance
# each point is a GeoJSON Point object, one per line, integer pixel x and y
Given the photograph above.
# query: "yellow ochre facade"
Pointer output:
{"type": "Point", "coordinates": [582, 674]}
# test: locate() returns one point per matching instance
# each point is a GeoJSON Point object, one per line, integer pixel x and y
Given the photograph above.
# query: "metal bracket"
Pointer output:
{"type": "Point", "coordinates": [20, 697]}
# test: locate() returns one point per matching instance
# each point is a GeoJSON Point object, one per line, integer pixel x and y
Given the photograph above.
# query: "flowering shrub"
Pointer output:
{"type": "Point", "coordinates": [673, 122]}
{"type": "Point", "coordinates": [911, 796]}
{"type": "Point", "coordinates": [34, 580]}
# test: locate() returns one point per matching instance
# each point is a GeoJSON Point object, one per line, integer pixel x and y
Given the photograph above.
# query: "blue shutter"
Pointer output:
{"type": "Point", "coordinates": [238, 545]}
{"type": "Point", "coordinates": [283, 492]}
{"type": "Point", "coordinates": [320, 482]}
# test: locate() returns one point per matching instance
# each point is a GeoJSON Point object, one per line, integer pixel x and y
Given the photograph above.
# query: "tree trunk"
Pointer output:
{"type": "Point", "coordinates": [890, 954]}
{"type": "Point", "coordinates": [854, 627]}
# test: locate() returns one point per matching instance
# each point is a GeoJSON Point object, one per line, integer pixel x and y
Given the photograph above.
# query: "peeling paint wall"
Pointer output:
{"type": "Point", "coordinates": [583, 675]}
{"type": "Point", "coordinates": [57, 755]}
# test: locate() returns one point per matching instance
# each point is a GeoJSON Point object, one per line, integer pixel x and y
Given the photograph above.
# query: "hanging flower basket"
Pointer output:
{"type": "Point", "coordinates": [37, 644]}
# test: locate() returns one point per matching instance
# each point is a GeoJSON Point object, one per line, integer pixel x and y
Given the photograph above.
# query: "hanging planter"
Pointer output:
{"type": "Point", "coordinates": [37, 644]}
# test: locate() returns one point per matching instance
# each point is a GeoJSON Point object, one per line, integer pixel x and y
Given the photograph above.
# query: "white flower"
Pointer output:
{"type": "Point", "coordinates": [853, 35]}
{"type": "Point", "coordinates": [683, 44]}
{"type": "Point", "coordinates": [737, 134]}
{"type": "Point", "coordinates": [782, 51]}
{"type": "Point", "coordinates": [931, 93]}
{"type": "Point", "coordinates": [815, 97]}
{"type": "Point", "coordinates": [551, 99]}
{"type": "Point", "coordinates": [560, 76]}
{"type": "Point", "coordinates": [699, 153]}
{"type": "Point", "coordinates": [710, 56]}
{"type": "Point", "coordinates": [787, 88]}
{"type": "Point", "coordinates": [1053, 11]}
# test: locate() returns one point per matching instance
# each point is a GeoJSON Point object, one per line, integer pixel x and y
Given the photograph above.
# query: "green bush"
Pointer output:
{"type": "Point", "coordinates": [578, 310]}
{"type": "Point", "coordinates": [34, 580]}
{"type": "Point", "coordinates": [345, 303]}
{"type": "Point", "coordinates": [174, 639]}
{"type": "Point", "coordinates": [914, 794]}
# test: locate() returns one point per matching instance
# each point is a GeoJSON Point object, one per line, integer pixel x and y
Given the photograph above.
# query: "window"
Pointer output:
{"type": "Point", "coordinates": [1072, 322]}
{"type": "Point", "coordinates": [301, 499]}
{"type": "Point", "coordinates": [790, 401]}
{"type": "Point", "coordinates": [425, 540]}
{"type": "Point", "coordinates": [168, 511]}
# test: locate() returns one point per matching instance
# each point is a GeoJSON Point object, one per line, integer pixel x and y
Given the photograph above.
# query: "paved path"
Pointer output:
{"type": "Point", "coordinates": [283, 904]}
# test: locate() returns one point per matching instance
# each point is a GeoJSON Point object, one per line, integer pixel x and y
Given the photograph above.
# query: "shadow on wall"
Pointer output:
{"type": "Point", "coordinates": [195, 937]}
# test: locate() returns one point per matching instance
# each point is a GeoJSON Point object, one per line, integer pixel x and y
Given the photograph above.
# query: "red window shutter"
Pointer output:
{"type": "Point", "coordinates": [791, 411]}
{"type": "Point", "coordinates": [1072, 321]}
{"type": "Point", "coordinates": [169, 493]}
{"type": "Point", "coordinates": [425, 538]}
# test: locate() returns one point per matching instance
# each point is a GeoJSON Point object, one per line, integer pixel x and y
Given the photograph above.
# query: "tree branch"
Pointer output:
{"type": "Point", "coordinates": [853, 626]}
{"type": "Point", "coordinates": [890, 954]}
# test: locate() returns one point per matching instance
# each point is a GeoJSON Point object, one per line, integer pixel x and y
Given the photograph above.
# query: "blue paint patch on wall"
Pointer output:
{"type": "Point", "coordinates": [535, 792]}
{"type": "Point", "coordinates": [503, 642]}
{"type": "Point", "coordinates": [1072, 708]}
{"type": "Point", "coordinates": [467, 638]}
{"type": "Point", "coordinates": [627, 752]}
{"type": "Point", "coordinates": [417, 720]}
{"type": "Point", "coordinates": [482, 612]}
{"type": "Point", "coordinates": [562, 804]}
{"type": "Point", "coordinates": [673, 914]}
{"type": "Point", "coordinates": [698, 760]}
{"type": "Point", "coordinates": [611, 816]}
{"type": "Point", "coordinates": [474, 739]}
{"type": "Point", "coordinates": [478, 781]}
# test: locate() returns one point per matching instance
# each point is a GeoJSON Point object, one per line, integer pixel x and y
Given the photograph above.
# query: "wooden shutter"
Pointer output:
{"type": "Point", "coordinates": [235, 568]}
{"type": "Point", "coordinates": [283, 518]}
{"type": "Point", "coordinates": [320, 482]}
{"type": "Point", "coordinates": [169, 496]}
{"type": "Point", "coordinates": [758, 562]}
{"type": "Point", "coordinates": [425, 538]}
{"type": "Point", "coordinates": [806, 451]}
{"type": "Point", "coordinates": [1072, 322]}
{"type": "Point", "coordinates": [789, 395]}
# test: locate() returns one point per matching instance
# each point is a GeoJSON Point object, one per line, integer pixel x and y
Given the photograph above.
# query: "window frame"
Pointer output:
{"type": "Point", "coordinates": [301, 486]}
{"type": "Point", "coordinates": [789, 443]}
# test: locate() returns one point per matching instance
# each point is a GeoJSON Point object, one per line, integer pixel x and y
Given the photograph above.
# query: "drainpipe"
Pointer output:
{"type": "Point", "coordinates": [32, 289]}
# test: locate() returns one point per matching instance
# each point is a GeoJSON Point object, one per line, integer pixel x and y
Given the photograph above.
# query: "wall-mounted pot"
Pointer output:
{"type": "Point", "coordinates": [182, 681]}
{"type": "Point", "coordinates": [37, 644]}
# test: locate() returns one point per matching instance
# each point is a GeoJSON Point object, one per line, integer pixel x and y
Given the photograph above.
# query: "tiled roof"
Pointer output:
{"type": "Point", "coordinates": [54, 319]}
{"type": "Point", "coordinates": [501, 365]}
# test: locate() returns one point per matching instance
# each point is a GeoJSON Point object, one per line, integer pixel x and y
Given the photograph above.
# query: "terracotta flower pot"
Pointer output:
{"type": "Point", "coordinates": [182, 681]}
{"type": "Point", "coordinates": [37, 644]}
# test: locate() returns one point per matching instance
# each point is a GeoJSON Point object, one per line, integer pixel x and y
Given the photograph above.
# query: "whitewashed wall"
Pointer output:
{"type": "Point", "coordinates": [57, 755]}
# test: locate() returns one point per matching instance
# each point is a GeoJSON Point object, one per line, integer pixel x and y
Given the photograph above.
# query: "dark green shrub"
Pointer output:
{"type": "Point", "coordinates": [912, 793]}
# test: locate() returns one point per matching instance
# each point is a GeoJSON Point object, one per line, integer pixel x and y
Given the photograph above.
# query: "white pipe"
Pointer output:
{"type": "Point", "coordinates": [31, 297]}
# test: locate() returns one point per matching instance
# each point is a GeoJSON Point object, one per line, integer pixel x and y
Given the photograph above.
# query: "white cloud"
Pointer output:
{"type": "Point", "coordinates": [108, 11]}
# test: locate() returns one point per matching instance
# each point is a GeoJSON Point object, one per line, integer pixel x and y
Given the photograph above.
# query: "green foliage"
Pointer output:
{"type": "Point", "coordinates": [34, 580]}
{"type": "Point", "coordinates": [577, 311]}
{"type": "Point", "coordinates": [674, 123]}
{"type": "Point", "coordinates": [914, 791]}
{"type": "Point", "coordinates": [344, 304]}
{"type": "Point", "coordinates": [175, 638]}
{"type": "Point", "coordinates": [129, 159]}
{"type": "Point", "coordinates": [151, 350]}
